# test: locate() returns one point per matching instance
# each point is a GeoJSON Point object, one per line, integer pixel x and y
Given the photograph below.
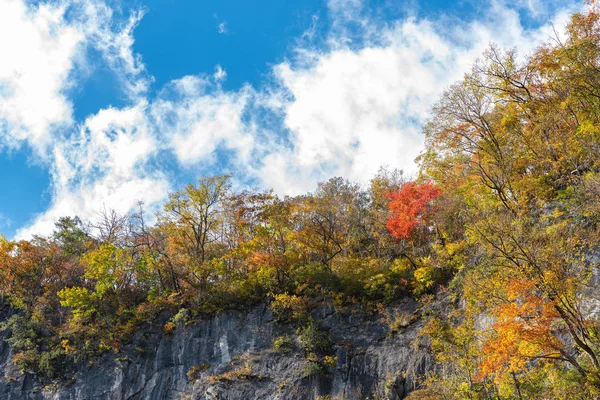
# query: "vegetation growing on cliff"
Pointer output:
{"type": "Point", "coordinates": [86, 288]}
{"type": "Point", "coordinates": [517, 145]}
{"type": "Point", "coordinates": [505, 216]}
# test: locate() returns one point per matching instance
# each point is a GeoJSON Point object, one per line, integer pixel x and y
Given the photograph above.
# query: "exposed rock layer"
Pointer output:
{"type": "Point", "coordinates": [234, 358]}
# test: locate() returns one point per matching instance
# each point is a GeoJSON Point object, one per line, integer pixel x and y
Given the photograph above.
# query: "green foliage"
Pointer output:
{"type": "Point", "coordinates": [315, 338]}
{"type": "Point", "coordinates": [90, 285]}
{"type": "Point", "coordinates": [182, 317]}
{"type": "Point", "coordinates": [71, 236]}
{"type": "Point", "coordinates": [81, 300]}
{"type": "Point", "coordinates": [287, 306]}
{"type": "Point", "coordinates": [282, 344]}
{"type": "Point", "coordinates": [108, 267]}
{"type": "Point", "coordinates": [427, 275]}
{"type": "Point", "coordinates": [54, 363]}
{"type": "Point", "coordinates": [32, 348]}
{"type": "Point", "coordinates": [312, 366]}
{"type": "Point", "coordinates": [195, 371]}
{"type": "Point", "coordinates": [375, 279]}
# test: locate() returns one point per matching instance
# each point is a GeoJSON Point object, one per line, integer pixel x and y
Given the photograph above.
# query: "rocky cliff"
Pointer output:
{"type": "Point", "coordinates": [231, 356]}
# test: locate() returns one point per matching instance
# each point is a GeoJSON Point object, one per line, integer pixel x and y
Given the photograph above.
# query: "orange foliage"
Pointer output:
{"type": "Point", "coordinates": [523, 331]}
{"type": "Point", "coordinates": [409, 207]}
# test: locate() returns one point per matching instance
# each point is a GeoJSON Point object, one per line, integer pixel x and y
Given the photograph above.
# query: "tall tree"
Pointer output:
{"type": "Point", "coordinates": [192, 219]}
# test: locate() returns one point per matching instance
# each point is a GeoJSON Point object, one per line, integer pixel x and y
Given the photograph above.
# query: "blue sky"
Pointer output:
{"type": "Point", "coordinates": [105, 103]}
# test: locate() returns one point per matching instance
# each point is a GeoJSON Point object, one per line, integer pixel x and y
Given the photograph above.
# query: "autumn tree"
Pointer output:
{"type": "Point", "coordinates": [517, 141]}
{"type": "Point", "coordinates": [410, 208]}
{"type": "Point", "coordinates": [332, 220]}
{"type": "Point", "coordinates": [384, 182]}
{"type": "Point", "coordinates": [192, 222]}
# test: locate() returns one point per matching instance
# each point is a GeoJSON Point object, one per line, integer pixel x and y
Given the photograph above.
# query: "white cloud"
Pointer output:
{"type": "Point", "coordinates": [344, 11]}
{"type": "Point", "coordinates": [36, 54]}
{"type": "Point", "coordinates": [40, 49]}
{"type": "Point", "coordinates": [197, 117]}
{"type": "Point", "coordinates": [220, 74]}
{"type": "Point", "coordinates": [222, 28]}
{"type": "Point", "coordinates": [105, 166]}
{"type": "Point", "coordinates": [116, 45]}
{"type": "Point", "coordinates": [352, 111]}
{"type": "Point", "coordinates": [345, 109]}
{"type": "Point", "coordinates": [309, 34]}
{"type": "Point", "coordinates": [101, 161]}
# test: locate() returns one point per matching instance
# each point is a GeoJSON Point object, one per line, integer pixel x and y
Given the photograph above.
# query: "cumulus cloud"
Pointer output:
{"type": "Point", "coordinates": [37, 52]}
{"type": "Point", "coordinates": [92, 163]}
{"type": "Point", "coordinates": [104, 166]}
{"type": "Point", "coordinates": [108, 164]}
{"type": "Point", "coordinates": [196, 117]}
{"type": "Point", "coordinates": [351, 110]}
{"type": "Point", "coordinates": [342, 106]}
{"type": "Point", "coordinates": [40, 52]}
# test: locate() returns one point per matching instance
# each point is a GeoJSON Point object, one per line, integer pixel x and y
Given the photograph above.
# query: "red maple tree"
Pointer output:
{"type": "Point", "coordinates": [409, 206]}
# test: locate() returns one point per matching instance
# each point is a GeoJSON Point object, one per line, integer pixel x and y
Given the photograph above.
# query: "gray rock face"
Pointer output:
{"type": "Point", "coordinates": [233, 358]}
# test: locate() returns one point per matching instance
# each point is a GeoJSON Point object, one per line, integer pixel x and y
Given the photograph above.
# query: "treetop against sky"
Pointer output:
{"type": "Point", "coordinates": [105, 103]}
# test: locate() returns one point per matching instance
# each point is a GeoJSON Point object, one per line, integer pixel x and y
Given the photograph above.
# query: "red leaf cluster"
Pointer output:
{"type": "Point", "coordinates": [408, 206]}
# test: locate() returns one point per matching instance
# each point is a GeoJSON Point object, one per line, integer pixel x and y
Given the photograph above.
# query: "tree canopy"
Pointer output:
{"type": "Point", "coordinates": [502, 226]}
